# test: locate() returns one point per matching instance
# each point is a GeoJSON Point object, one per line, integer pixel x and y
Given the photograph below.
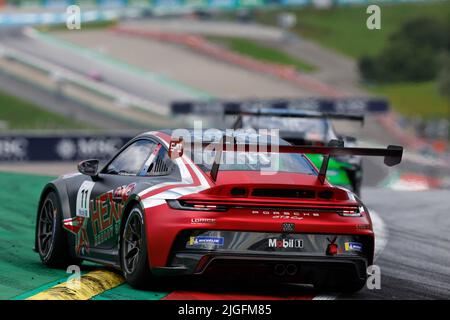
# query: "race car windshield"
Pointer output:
{"type": "Point", "coordinates": [313, 129]}
{"type": "Point", "coordinates": [256, 161]}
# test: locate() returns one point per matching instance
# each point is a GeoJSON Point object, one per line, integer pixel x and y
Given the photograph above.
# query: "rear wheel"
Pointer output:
{"type": "Point", "coordinates": [133, 247]}
{"type": "Point", "coordinates": [52, 244]}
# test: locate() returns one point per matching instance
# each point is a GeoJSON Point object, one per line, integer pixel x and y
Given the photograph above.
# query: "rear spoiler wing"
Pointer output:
{"type": "Point", "coordinates": [291, 113]}
{"type": "Point", "coordinates": [339, 109]}
{"type": "Point", "coordinates": [392, 154]}
{"type": "Point", "coordinates": [355, 105]}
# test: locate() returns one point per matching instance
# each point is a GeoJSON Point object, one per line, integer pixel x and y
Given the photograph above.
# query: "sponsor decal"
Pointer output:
{"type": "Point", "coordinates": [285, 243]}
{"type": "Point", "coordinates": [203, 221]}
{"type": "Point", "coordinates": [123, 192]}
{"type": "Point", "coordinates": [200, 240]}
{"type": "Point", "coordinates": [105, 213]}
{"type": "Point", "coordinates": [176, 148]}
{"type": "Point", "coordinates": [13, 149]}
{"type": "Point", "coordinates": [77, 226]}
{"type": "Point", "coordinates": [353, 246]}
{"type": "Point", "coordinates": [83, 197]}
{"type": "Point", "coordinates": [286, 214]}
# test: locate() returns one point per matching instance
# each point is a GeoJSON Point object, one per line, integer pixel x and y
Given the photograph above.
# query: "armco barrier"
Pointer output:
{"type": "Point", "coordinates": [59, 147]}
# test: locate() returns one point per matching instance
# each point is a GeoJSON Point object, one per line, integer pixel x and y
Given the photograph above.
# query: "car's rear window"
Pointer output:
{"type": "Point", "coordinates": [252, 161]}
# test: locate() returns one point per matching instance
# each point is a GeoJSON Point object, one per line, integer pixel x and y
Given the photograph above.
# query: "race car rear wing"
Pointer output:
{"type": "Point", "coordinates": [289, 113]}
{"type": "Point", "coordinates": [355, 105]}
{"type": "Point", "coordinates": [392, 154]}
{"type": "Point", "coordinates": [321, 107]}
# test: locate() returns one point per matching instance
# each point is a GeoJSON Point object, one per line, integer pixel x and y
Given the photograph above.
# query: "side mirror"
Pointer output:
{"type": "Point", "coordinates": [89, 167]}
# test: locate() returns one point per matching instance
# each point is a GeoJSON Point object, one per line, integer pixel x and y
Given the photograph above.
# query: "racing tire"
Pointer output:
{"type": "Point", "coordinates": [51, 239]}
{"type": "Point", "coordinates": [133, 250]}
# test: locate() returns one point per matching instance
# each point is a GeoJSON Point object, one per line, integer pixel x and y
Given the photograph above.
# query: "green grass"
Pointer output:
{"type": "Point", "coordinates": [413, 99]}
{"type": "Point", "coordinates": [259, 51]}
{"type": "Point", "coordinates": [20, 268]}
{"type": "Point", "coordinates": [344, 28]}
{"type": "Point", "coordinates": [19, 114]}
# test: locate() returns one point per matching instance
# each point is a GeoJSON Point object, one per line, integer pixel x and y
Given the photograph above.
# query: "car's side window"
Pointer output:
{"type": "Point", "coordinates": [131, 160]}
{"type": "Point", "coordinates": [161, 165]}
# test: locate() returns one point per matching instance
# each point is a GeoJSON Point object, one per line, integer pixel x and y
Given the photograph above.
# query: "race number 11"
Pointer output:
{"type": "Point", "coordinates": [83, 196]}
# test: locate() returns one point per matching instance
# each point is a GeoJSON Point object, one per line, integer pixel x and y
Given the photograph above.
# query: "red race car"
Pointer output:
{"type": "Point", "coordinates": [157, 208]}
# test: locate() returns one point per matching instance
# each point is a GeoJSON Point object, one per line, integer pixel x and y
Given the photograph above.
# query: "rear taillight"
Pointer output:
{"type": "Point", "coordinates": [357, 212]}
{"type": "Point", "coordinates": [191, 206]}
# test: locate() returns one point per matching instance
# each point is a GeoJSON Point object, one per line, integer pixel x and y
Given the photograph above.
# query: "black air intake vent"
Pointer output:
{"type": "Point", "coordinates": [284, 193]}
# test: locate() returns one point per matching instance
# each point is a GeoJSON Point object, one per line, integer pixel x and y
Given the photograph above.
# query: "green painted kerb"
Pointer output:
{"type": "Point", "coordinates": [125, 292]}
{"type": "Point", "coordinates": [20, 267]}
{"type": "Point", "coordinates": [22, 274]}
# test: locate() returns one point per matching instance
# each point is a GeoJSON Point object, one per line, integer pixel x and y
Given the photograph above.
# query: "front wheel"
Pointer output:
{"type": "Point", "coordinates": [133, 247]}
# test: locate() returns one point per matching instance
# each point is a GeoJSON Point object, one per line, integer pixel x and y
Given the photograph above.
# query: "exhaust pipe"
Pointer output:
{"type": "Point", "coordinates": [291, 269]}
{"type": "Point", "coordinates": [279, 270]}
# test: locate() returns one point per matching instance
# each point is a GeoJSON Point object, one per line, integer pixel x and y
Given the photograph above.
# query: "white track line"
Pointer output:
{"type": "Point", "coordinates": [381, 233]}
{"type": "Point", "coordinates": [381, 239]}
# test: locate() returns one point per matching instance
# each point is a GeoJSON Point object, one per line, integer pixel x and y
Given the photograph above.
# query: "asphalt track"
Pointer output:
{"type": "Point", "coordinates": [147, 86]}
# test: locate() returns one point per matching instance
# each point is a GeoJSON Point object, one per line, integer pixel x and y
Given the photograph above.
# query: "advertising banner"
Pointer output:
{"type": "Point", "coordinates": [18, 148]}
